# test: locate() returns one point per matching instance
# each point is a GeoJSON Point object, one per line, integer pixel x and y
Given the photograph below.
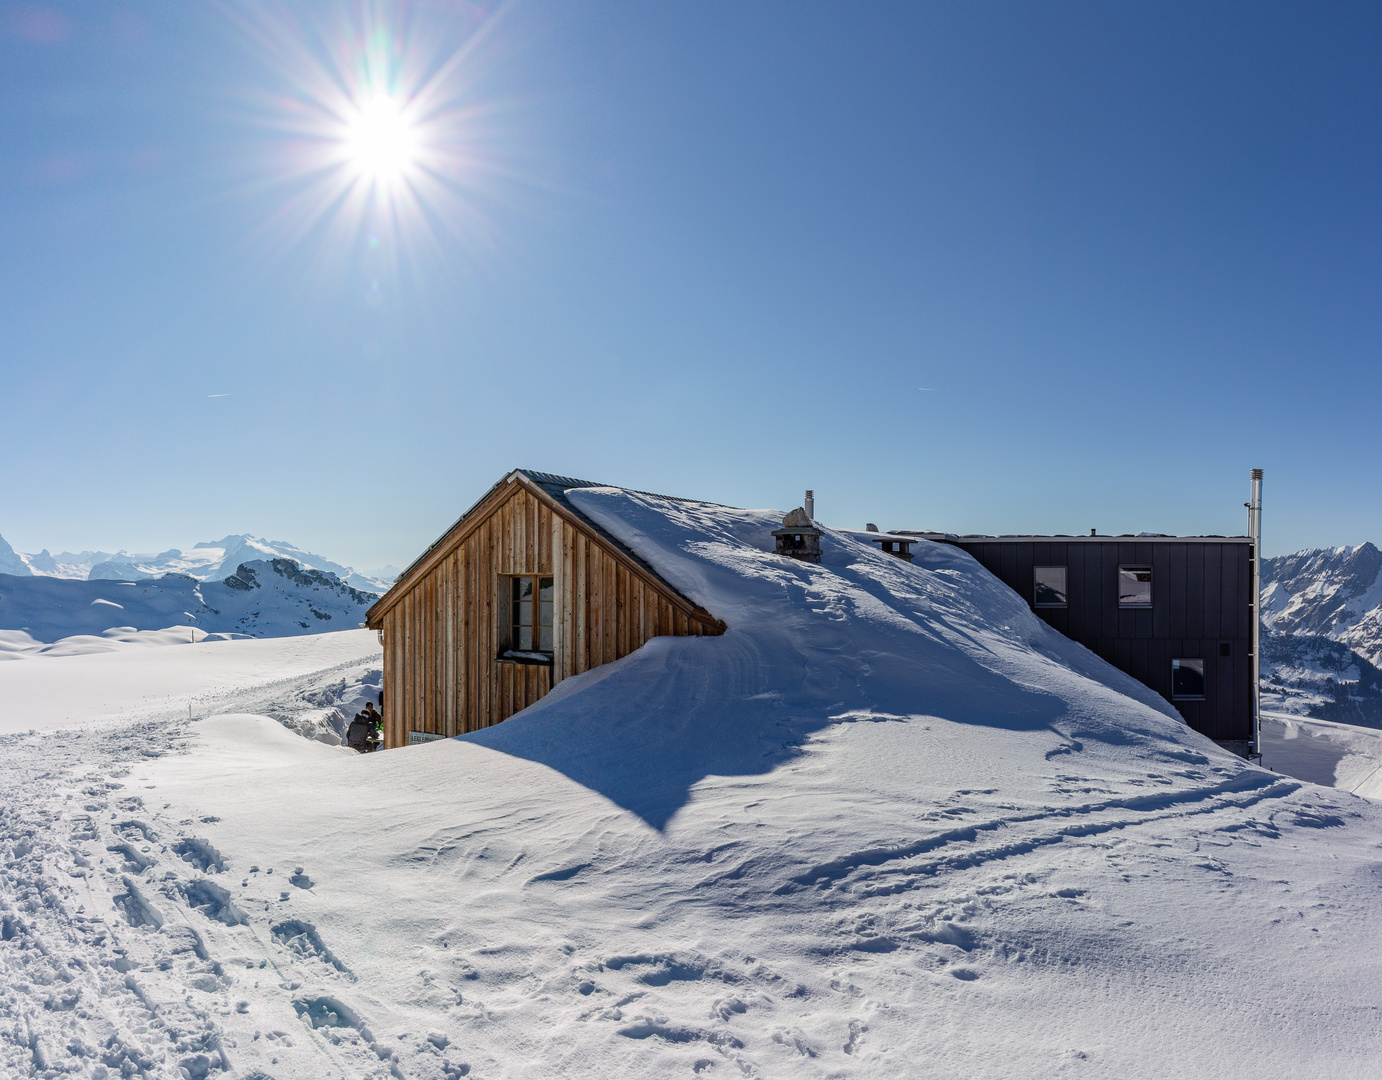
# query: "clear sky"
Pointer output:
{"type": "Point", "coordinates": [984, 267]}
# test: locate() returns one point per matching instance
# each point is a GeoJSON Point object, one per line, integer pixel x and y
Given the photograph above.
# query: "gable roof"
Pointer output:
{"type": "Point", "coordinates": [551, 488]}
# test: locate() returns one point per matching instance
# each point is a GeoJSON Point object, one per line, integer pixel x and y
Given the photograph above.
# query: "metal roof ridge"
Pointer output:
{"type": "Point", "coordinates": [1122, 538]}
{"type": "Point", "coordinates": [570, 482]}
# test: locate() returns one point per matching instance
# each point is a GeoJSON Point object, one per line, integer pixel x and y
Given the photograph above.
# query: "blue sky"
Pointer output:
{"type": "Point", "coordinates": [716, 249]}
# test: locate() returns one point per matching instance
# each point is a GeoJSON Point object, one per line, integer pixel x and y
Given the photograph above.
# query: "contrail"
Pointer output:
{"type": "Point", "coordinates": [220, 395]}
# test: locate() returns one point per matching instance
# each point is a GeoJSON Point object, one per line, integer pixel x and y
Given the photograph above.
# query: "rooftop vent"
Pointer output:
{"type": "Point", "coordinates": [798, 538]}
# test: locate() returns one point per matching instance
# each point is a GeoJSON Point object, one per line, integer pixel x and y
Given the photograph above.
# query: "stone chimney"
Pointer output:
{"type": "Point", "coordinates": [798, 538]}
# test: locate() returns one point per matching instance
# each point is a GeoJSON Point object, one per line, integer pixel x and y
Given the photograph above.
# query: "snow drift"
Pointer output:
{"type": "Point", "coordinates": [890, 824]}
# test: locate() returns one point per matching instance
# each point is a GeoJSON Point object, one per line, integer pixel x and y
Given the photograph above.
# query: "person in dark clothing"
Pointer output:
{"type": "Point", "coordinates": [364, 733]}
{"type": "Point", "coordinates": [375, 738]}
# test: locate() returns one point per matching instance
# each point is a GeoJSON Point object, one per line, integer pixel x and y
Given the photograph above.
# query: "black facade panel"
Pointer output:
{"type": "Point", "coordinates": [1161, 572]}
{"type": "Point", "coordinates": [1093, 585]}
{"type": "Point", "coordinates": [1194, 591]}
{"type": "Point", "coordinates": [1223, 690]}
{"type": "Point", "coordinates": [1127, 621]}
{"type": "Point", "coordinates": [1007, 564]}
{"type": "Point", "coordinates": [1159, 666]}
{"type": "Point", "coordinates": [1139, 664]}
{"type": "Point", "coordinates": [1074, 577]}
{"type": "Point", "coordinates": [1229, 598]}
{"type": "Point", "coordinates": [1213, 560]}
{"type": "Point", "coordinates": [1201, 595]}
{"type": "Point", "coordinates": [1108, 589]}
{"type": "Point", "coordinates": [1175, 592]}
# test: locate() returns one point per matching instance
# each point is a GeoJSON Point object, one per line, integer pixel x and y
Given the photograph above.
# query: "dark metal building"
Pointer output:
{"type": "Point", "coordinates": [1174, 612]}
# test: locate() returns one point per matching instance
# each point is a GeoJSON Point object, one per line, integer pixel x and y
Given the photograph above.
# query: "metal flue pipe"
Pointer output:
{"type": "Point", "coordinates": [810, 504]}
{"type": "Point", "coordinates": [1255, 531]}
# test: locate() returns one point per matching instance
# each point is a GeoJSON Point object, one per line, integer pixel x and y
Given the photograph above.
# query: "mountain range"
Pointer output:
{"type": "Point", "coordinates": [1322, 633]}
{"type": "Point", "coordinates": [262, 598]}
{"type": "Point", "coordinates": [241, 584]}
{"type": "Point", "coordinates": [210, 561]}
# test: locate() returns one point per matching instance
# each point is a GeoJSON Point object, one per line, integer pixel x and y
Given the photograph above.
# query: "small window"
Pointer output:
{"type": "Point", "coordinates": [1225, 648]}
{"type": "Point", "coordinates": [1134, 586]}
{"type": "Point", "coordinates": [1050, 586]}
{"type": "Point", "coordinates": [1187, 680]}
{"type": "Point", "coordinates": [530, 614]}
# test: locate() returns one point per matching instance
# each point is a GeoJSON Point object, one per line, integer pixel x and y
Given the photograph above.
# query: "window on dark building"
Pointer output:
{"type": "Point", "coordinates": [530, 614]}
{"type": "Point", "coordinates": [1134, 586]}
{"type": "Point", "coordinates": [1049, 590]}
{"type": "Point", "coordinates": [1187, 680]}
{"type": "Point", "coordinates": [1225, 648]}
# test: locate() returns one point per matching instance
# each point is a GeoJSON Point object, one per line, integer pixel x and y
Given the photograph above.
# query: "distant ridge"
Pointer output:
{"type": "Point", "coordinates": [262, 598]}
{"type": "Point", "coordinates": [208, 561]}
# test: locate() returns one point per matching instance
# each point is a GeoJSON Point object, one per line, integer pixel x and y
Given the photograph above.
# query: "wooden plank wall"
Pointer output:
{"type": "Point", "coordinates": [442, 674]}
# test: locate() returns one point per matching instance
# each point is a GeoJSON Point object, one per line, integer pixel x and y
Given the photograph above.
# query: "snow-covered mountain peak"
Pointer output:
{"type": "Point", "coordinates": [213, 560]}
{"type": "Point", "coordinates": [11, 562]}
{"type": "Point", "coordinates": [1321, 590]}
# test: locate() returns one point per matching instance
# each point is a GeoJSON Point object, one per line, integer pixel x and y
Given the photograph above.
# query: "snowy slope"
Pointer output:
{"type": "Point", "coordinates": [888, 825]}
{"type": "Point", "coordinates": [262, 598]}
{"type": "Point", "coordinates": [153, 674]}
{"type": "Point", "coordinates": [1336, 755]}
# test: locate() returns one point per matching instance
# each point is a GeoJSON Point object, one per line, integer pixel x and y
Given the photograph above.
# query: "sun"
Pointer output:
{"type": "Point", "coordinates": [381, 140]}
{"type": "Point", "coordinates": [381, 125]}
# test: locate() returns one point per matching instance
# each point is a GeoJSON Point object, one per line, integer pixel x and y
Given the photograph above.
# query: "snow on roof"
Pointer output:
{"type": "Point", "coordinates": [556, 487]}
{"type": "Point", "coordinates": [940, 636]}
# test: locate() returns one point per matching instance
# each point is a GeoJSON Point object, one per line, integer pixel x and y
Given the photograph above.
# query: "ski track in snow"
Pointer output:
{"type": "Point", "coordinates": [118, 929]}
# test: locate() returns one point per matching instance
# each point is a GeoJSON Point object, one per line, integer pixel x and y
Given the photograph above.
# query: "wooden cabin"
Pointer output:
{"type": "Point", "coordinates": [521, 592]}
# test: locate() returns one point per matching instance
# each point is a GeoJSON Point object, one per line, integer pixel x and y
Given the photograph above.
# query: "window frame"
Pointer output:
{"type": "Point", "coordinates": [509, 647]}
{"type": "Point", "coordinates": [1176, 661]}
{"type": "Point", "coordinates": [1064, 568]}
{"type": "Point", "coordinates": [1151, 585]}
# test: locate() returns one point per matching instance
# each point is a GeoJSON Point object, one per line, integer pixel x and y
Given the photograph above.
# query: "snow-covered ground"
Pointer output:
{"type": "Point", "coordinates": [82, 680]}
{"type": "Point", "coordinates": [889, 825]}
{"type": "Point", "coordinates": [1336, 755]}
